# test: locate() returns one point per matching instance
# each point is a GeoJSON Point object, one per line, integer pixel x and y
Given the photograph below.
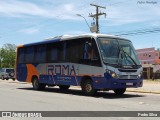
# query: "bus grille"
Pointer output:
{"type": "Point", "coordinates": [127, 70]}
{"type": "Point", "coordinates": [124, 77]}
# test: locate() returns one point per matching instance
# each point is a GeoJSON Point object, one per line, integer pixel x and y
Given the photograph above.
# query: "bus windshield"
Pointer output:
{"type": "Point", "coordinates": [118, 52]}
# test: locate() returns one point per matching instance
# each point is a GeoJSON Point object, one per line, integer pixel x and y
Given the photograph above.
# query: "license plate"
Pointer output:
{"type": "Point", "coordinates": [129, 83]}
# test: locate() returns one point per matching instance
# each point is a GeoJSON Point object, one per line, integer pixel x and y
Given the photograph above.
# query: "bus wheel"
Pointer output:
{"type": "Point", "coordinates": [64, 87]}
{"type": "Point", "coordinates": [120, 91]}
{"type": "Point", "coordinates": [37, 85]}
{"type": "Point", "coordinates": [87, 88]}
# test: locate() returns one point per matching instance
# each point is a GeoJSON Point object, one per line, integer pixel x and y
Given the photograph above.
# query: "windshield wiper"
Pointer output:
{"type": "Point", "coordinates": [125, 53]}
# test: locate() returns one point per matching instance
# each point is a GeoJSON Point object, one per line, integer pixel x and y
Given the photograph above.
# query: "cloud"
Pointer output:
{"type": "Point", "coordinates": [117, 14]}
{"type": "Point", "coordinates": [29, 31]}
{"type": "Point", "coordinates": [131, 12]}
{"type": "Point", "coordinates": [15, 8]}
{"type": "Point", "coordinates": [45, 9]}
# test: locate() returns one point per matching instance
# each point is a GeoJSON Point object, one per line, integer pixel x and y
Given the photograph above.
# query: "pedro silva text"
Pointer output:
{"type": "Point", "coordinates": [147, 114]}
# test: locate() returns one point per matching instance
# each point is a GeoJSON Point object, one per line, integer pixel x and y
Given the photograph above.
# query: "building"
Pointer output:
{"type": "Point", "coordinates": [150, 60]}
{"type": "Point", "coordinates": [149, 55]}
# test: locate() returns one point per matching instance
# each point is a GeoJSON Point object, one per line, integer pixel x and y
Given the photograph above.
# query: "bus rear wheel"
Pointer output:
{"type": "Point", "coordinates": [120, 91]}
{"type": "Point", "coordinates": [64, 87]}
{"type": "Point", "coordinates": [87, 87]}
{"type": "Point", "coordinates": [37, 85]}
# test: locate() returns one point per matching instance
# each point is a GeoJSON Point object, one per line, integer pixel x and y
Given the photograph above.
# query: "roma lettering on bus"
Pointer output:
{"type": "Point", "coordinates": [61, 70]}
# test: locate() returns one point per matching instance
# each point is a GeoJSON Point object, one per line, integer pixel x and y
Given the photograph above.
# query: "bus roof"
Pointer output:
{"type": "Point", "coordinates": [68, 37]}
{"type": "Point", "coordinates": [94, 35]}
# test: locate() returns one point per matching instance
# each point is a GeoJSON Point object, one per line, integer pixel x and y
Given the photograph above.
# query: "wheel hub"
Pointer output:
{"type": "Point", "coordinates": [88, 87]}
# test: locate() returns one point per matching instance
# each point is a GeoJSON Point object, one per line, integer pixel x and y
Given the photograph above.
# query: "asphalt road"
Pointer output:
{"type": "Point", "coordinates": [16, 96]}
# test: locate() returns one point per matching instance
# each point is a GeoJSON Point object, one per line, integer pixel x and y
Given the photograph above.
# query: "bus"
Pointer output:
{"type": "Point", "coordinates": [92, 61]}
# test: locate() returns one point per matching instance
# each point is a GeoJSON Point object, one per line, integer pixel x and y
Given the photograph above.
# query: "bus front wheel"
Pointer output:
{"type": "Point", "coordinates": [37, 85]}
{"type": "Point", "coordinates": [120, 91]}
{"type": "Point", "coordinates": [87, 87]}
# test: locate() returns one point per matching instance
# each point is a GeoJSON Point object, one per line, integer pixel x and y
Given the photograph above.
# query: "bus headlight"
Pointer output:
{"type": "Point", "coordinates": [113, 74]}
{"type": "Point", "coordinates": [140, 75]}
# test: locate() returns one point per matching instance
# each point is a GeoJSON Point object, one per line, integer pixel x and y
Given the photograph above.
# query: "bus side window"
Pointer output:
{"type": "Point", "coordinates": [20, 55]}
{"type": "Point", "coordinates": [40, 53]}
{"type": "Point", "coordinates": [52, 53]}
{"type": "Point", "coordinates": [95, 55]}
{"type": "Point", "coordinates": [90, 53]}
{"type": "Point", "coordinates": [73, 48]}
{"type": "Point", "coordinates": [88, 50]}
{"type": "Point", "coordinates": [29, 54]}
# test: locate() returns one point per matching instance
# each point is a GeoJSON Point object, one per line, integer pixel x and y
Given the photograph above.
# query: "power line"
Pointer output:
{"type": "Point", "coordinates": [139, 32]}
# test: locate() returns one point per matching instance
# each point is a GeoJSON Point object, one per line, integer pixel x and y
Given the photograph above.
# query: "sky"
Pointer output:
{"type": "Point", "coordinates": [28, 21]}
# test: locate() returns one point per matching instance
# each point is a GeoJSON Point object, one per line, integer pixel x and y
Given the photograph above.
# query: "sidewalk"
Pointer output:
{"type": "Point", "coordinates": [148, 87]}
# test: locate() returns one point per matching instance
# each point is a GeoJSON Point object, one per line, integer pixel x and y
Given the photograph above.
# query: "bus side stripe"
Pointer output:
{"type": "Point", "coordinates": [31, 71]}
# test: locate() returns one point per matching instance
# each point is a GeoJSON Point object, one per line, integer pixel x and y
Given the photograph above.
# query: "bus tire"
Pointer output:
{"type": "Point", "coordinates": [64, 87]}
{"type": "Point", "coordinates": [87, 87]}
{"type": "Point", "coordinates": [37, 85]}
{"type": "Point", "coordinates": [120, 91]}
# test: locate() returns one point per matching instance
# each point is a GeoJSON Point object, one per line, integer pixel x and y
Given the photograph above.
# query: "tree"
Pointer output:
{"type": "Point", "coordinates": [8, 55]}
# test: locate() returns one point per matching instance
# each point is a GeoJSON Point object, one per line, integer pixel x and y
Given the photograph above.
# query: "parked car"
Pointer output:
{"type": "Point", "coordinates": [7, 73]}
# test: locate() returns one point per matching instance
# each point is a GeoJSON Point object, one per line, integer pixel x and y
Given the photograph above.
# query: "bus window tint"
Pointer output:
{"type": "Point", "coordinates": [62, 51]}
{"type": "Point", "coordinates": [73, 51]}
{"type": "Point", "coordinates": [88, 50]}
{"type": "Point", "coordinates": [20, 55]}
{"type": "Point", "coordinates": [40, 53]}
{"type": "Point", "coordinates": [95, 51]}
{"type": "Point", "coordinates": [89, 54]}
{"type": "Point", "coordinates": [54, 53]}
{"type": "Point", "coordinates": [29, 55]}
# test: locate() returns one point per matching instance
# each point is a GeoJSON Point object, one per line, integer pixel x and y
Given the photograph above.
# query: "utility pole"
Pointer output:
{"type": "Point", "coordinates": [96, 16]}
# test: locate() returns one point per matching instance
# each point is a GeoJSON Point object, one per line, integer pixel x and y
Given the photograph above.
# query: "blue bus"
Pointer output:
{"type": "Point", "coordinates": [92, 61]}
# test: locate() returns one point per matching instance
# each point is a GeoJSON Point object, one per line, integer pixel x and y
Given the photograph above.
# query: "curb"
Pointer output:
{"type": "Point", "coordinates": [143, 91]}
{"type": "Point", "coordinates": [136, 91]}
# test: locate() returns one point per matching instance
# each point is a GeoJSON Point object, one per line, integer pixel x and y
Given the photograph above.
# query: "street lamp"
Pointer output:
{"type": "Point", "coordinates": [84, 19]}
